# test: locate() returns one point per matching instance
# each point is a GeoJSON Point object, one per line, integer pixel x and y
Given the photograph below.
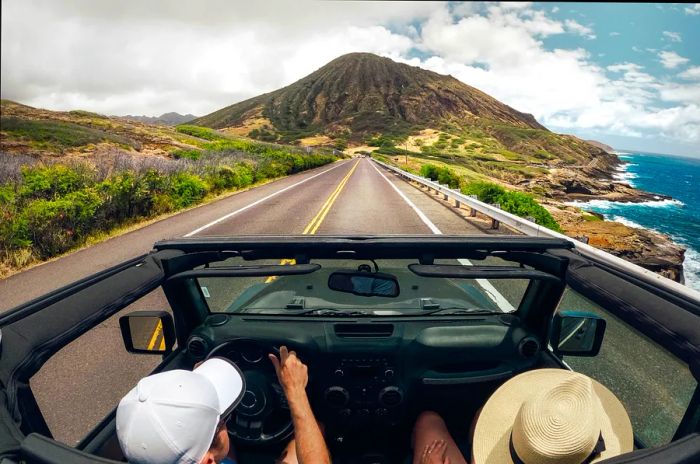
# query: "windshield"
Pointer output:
{"type": "Point", "coordinates": [310, 294]}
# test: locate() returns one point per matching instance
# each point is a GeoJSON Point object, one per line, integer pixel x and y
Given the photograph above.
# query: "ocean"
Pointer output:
{"type": "Point", "coordinates": [679, 218]}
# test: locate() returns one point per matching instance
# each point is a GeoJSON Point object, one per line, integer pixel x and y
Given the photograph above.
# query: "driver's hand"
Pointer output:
{"type": "Point", "coordinates": [291, 372]}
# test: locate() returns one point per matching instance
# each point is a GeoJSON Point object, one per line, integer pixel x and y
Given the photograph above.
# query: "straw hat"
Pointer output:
{"type": "Point", "coordinates": [551, 416]}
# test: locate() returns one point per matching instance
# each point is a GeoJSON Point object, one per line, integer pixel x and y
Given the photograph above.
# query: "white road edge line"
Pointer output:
{"type": "Point", "coordinates": [490, 290]}
{"type": "Point", "coordinates": [257, 202]}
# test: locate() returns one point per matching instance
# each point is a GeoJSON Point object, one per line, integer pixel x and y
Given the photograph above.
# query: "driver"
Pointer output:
{"type": "Point", "coordinates": [180, 416]}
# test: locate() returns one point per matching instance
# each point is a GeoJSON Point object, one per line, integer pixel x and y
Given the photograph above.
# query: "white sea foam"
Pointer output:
{"type": "Point", "coordinates": [691, 268]}
{"type": "Point", "coordinates": [607, 204]}
{"type": "Point", "coordinates": [627, 222]}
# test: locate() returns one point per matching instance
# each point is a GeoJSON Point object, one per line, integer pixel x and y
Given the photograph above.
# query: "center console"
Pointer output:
{"type": "Point", "coordinates": [363, 389]}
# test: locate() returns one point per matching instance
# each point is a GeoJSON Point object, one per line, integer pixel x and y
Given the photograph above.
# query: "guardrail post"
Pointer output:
{"type": "Point", "coordinates": [456, 203]}
{"type": "Point", "coordinates": [494, 222]}
{"type": "Point", "coordinates": [472, 213]}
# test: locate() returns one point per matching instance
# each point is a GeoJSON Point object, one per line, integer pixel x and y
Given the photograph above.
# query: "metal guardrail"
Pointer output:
{"type": "Point", "coordinates": [530, 228]}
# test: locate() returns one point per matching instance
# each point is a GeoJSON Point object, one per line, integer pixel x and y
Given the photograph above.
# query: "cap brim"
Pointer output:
{"type": "Point", "coordinates": [493, 427]}
{"type": "Point", "coordinates": [227, 379]}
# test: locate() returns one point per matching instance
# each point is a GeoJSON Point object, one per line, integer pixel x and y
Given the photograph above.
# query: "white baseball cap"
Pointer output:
{"type": "Point", "coordinates": [171, 417]}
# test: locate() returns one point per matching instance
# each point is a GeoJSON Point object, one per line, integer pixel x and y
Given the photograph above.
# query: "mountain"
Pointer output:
{"type": "Point", "coordinates": [601, 145]}
{"type": "Point", "coordinates": [365, 93]}
{"type": "Point", "coordinates": [167, 119]}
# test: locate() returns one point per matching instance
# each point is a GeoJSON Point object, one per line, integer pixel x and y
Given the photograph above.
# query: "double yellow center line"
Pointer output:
{"type": "Point", "coordinates": [321, 215]}
{"type": "Point", "coordinates": [315, 223]}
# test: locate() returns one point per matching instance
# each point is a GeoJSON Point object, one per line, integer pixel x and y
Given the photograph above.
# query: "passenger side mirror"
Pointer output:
{"type": "Point", "coordinates": [577, 333]}
{"type": "Point", "coordinates": [148, 332]}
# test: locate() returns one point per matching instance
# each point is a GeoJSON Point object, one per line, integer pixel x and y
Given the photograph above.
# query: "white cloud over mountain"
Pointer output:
{"type": "Point", "coordinates": [157, 56]}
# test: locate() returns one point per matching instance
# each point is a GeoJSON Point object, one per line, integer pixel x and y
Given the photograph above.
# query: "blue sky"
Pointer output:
{"type": "Point", "coordinates": [625, 74]}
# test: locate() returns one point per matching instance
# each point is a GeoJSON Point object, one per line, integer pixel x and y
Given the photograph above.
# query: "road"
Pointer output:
{"type": "Point", "coordinates": [85, 380]}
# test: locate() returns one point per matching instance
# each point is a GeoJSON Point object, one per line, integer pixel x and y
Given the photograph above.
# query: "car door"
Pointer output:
{"type": "Point", "coordinates": [651, 349]}
{"type": "Point", "coordinates": [63, 365]}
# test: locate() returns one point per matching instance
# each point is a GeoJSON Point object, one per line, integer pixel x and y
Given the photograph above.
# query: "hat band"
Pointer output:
{"type": "Point", "coordinates": [599, 448]}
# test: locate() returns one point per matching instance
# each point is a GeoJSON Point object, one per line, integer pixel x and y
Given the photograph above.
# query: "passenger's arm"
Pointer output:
{"type": "Point", "coordinates": [293, 376]}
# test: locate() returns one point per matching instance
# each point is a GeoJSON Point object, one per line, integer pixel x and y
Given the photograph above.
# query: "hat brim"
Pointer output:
{"type": "Point", "coordinates": [491, 444]}
{"type": "Point", "coordinates": [227, 379]}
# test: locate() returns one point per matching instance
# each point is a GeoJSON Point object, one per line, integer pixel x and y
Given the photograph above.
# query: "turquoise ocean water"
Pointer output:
{"type": "Point", "coordinates": [678, 177]}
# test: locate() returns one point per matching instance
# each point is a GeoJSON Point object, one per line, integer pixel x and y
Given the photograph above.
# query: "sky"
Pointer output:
{"type": "Point", "coordinates": [625, 74]}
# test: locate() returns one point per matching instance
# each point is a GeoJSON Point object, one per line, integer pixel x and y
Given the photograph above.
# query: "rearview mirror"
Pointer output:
{"type": "Point", "coordinates": [364, 283]}
{"type": "Point", "coordinates": [577, 333]}
{"type": "Point", "coordinates": [149, 332]}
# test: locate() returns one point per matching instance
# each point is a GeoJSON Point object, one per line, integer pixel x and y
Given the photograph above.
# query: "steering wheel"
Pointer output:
{"type": "Point", "coordinates": [262, 417]}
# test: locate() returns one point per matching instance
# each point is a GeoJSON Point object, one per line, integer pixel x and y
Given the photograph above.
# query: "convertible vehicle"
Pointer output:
{"type": "Point", "coordinates": [388, 326]}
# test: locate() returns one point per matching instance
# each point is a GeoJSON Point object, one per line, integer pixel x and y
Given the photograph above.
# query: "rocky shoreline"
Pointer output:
{"type": "Point", "coordinates": [596, 181]}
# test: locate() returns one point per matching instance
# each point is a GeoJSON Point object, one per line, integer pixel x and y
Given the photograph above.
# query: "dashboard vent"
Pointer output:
{"type": "Point", "coordinates": [364, 330]}
{"type": "Point", "coordinates": [529, 347]}
{"type": "Point", "coordinates": [197, 347]}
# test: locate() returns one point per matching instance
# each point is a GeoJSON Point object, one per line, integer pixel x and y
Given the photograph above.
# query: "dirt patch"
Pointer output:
{"type": "Point", "coordinates": [315, 141]}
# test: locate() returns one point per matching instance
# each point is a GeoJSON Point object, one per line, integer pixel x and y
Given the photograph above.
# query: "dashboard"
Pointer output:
{"type": "Point", "coordinates": [368, 374]}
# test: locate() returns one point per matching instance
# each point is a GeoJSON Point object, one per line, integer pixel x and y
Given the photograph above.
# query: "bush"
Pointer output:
{"type": "Point", "coordinates": [192, 154]}
{"type": "Point", "coordinates": [440, 174]}
{"type": "Point", "coordinates": [200, 132]}
{"type": "Point", "coordinates": [186, 189]}
{"type": "Point", "coordinates": [125, 196]}
{"type": "Point", "coordinates": [54, 226]}
{"type": "Point", "coordinates": [48, 182]}
{"type": "Point", "coordinates": [518, 203]}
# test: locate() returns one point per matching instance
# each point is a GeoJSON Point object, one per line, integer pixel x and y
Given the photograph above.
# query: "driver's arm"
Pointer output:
{"type": "Point", "coordinates": [293, 376]}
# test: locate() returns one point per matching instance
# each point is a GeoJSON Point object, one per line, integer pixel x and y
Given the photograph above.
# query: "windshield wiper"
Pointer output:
{"type": "Point", "coordinates": [330, 312]}
{"type": "Point", "coordinates": [454, 310]}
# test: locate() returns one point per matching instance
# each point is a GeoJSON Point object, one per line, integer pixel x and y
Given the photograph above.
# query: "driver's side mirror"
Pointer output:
{"type": "Point", "coordinates": [148, 332]}
{"type": "Point", "coordinates": [577, 333]}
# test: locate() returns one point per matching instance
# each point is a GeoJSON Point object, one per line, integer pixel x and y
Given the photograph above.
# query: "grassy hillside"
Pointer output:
{"type": "Point", "coordinates": [69, 177]}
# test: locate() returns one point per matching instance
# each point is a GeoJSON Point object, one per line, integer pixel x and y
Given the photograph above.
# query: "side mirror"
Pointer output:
{"type": "Point", "coordinates": [148, 332]}
{"type": "Point", "coordinates": [577, 333]}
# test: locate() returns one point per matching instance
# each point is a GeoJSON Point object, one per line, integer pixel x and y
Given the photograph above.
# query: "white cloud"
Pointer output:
{"type": "Point", "coordinates": [672, 36]}
{"type": "Point", "coordinates": [671, 60]}
{"type": "Point", "coordinates": [158, 56]}
{"type": "Point", "coordinates": [579, 29]}
{"type": "Point", "coordinates": [692, 73]}
{"type": "Point", "coordinates": [693, 10]}
{"type": "Point", "coordinates": [614, 34]}
{"type": "Point", "coordinates": [626, 67]}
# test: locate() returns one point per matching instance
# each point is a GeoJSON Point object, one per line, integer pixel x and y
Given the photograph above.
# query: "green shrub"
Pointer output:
{"type": "Point", "coordinates": [200, 132]}
{"type": "Point", "coordinates": [192, 154]}
{"type": "Point", "coordinates": [48, 182]}
{"type": "Point", "coordinates": [126, 195]}
{"type": "Point", "coordinates": [440, 174]}
{"type": "Point", "coordinates": [186, 189]}
{"type": "Point", "coordinates": [54, 226]}
{"type": "Point", "coordinates": [518, 203]}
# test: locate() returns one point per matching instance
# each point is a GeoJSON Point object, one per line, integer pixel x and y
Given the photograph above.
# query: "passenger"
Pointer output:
{"type": "Point", "coordinates": [544, 416]}
{"type": "Point", "coordinates": [180, 416]}
{"type": "Point", "coordinates": [308, 445]}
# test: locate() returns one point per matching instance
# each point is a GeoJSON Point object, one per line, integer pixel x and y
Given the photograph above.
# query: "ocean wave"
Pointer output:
{"type": "Point", "coordinates": [608, 204]}
{"type": "Point", "coordinates": [691, 268]}
{"type": "Point", "coordinates": [627, 222]}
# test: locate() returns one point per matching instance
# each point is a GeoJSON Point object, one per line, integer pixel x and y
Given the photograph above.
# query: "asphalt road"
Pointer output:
{"type": "Point", "coordinates": [77, 387]}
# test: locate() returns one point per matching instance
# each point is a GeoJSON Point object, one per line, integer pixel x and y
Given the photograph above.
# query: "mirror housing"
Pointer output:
{"type": "Point", "coordinates": [148, 332]}
{"type": "Point", "coordinates": [577, 333]}
{"type": "Point", "coordinates": [364, 283]}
